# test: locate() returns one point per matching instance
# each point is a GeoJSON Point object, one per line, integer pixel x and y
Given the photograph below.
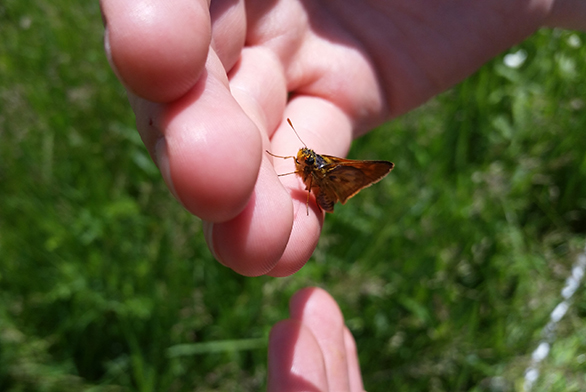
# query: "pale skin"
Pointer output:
{"type": "Point", "coordinates": [313, 350]}
{"type": "Point", "coordinates": [212, 86]}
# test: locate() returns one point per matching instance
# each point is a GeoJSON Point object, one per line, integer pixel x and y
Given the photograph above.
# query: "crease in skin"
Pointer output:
{"type": "Point", "coordinates": [251, 106]}
{"type": "Point", "coordinates": [263, 103]}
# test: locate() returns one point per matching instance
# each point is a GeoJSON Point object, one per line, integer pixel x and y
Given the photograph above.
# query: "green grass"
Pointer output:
{"type": "Point", "coordinates": [446, 271]}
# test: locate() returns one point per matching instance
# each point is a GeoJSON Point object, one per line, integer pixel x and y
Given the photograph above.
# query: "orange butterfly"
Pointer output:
{"type": "Point", "coordinates": [333, 179]}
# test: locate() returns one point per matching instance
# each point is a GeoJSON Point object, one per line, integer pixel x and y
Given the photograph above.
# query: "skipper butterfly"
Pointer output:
{"type": "Point", "coordinates": [333, 179]}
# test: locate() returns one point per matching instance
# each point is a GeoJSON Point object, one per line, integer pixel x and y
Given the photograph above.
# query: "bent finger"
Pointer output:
{"type": "Point", "coordinates": [207, 149]}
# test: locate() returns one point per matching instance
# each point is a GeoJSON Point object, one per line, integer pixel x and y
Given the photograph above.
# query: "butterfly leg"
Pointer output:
{"type": "Point", "coordinates": [308, 193]}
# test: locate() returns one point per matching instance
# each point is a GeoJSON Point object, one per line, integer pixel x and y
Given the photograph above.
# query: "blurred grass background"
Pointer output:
{"type": "Point", "coordinates": [446, 271]}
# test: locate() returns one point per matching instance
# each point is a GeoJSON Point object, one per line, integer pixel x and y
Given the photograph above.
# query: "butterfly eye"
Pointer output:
{"type": "Point", "coordinates": [310, 160]}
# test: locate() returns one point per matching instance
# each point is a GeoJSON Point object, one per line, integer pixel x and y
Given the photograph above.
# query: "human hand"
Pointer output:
{"type": "Point", "coordinates": [313, 350]}
{"type": "Point", "coordinates": [211, 86]}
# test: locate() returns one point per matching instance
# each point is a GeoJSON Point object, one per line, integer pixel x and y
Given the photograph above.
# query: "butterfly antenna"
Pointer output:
{"type": "Point", "coordinates": [294, 130]}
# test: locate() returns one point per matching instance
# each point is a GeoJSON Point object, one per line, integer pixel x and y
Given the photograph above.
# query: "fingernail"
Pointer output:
{"type": "Point", "coordinates": [163, 164]}
{"type": "Point", "coordinates": [208, 233]}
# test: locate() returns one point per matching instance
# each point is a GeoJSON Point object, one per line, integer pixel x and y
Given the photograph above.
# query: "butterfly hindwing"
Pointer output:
{"type": "Point", "coordinates": [325, 198]}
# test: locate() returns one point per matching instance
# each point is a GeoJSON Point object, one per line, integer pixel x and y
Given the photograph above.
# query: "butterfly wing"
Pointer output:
{"type": "Point", "coordinates": [325, 197]}
{"type": "Point", "coordinates": [346, 177]}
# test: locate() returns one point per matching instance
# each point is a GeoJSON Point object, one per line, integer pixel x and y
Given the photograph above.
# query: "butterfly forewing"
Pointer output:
{"type": "Point", "coordinates": [347, 177]}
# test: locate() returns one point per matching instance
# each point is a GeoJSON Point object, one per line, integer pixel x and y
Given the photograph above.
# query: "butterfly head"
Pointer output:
{"type": "Point", "coordinates": [308, 158]}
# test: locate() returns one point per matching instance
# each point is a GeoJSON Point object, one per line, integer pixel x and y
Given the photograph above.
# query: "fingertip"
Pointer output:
{"type": "Point", "coordinates": [158, 51]}
{"type": "Point", "coordinates": [302, 241]}
{"type": "Point", "coordinates": [310, 300]}
{"type": "Point", "coordinates": [295, 361]}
